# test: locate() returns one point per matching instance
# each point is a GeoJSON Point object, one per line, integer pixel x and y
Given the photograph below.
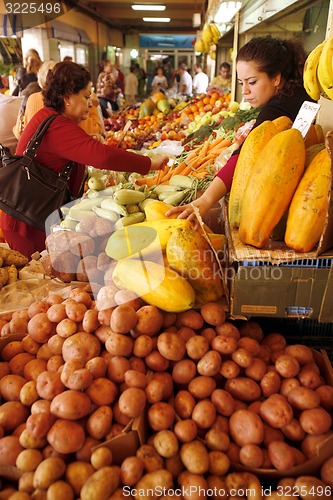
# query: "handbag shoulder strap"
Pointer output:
{"type": "Point", "coordinates": [36, 139]}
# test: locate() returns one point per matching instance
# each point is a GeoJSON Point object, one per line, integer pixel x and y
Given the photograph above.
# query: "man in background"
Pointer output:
{"type": "Point", "coordinates": [200, 80]}
{"type": "Point", "coordinates": [223, 80]}
{"type": "Point", "coordinates": [185, 80]}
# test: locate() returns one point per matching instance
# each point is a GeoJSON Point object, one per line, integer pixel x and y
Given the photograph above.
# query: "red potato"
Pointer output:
{"type": "Point", "coordinates": [210, 364]}
{"type": "Point", "coordinates": [149, 321]}
{"type": "Point", "coordinates": [287, 366]}
{"type": "Point", "coordinates": [209, 334]}
{"type": "Point", "coordinates": [275, 341]}
{"type": "Point", "coordinates": [242, 357]}
{"type": "Point", "coordinates": [171, 346]}
{"type": "Point", "coordinates": [99, 422]}
{"type": "Point", "coordinates": [123, 319]}
{"type": "Point", "coordinates": [256, 370]}
{"type": "Point", "coordinates": [271, 434]}
{"type": "Point", "coordinates": [213, 313]}
{"type": "Point", "coordinates": [303, 398]}
{"type": "Point", "coordinates": [315, 421]}
{"type": "Point", "coordinates": [186, 430]}
{"type": "Point", "coordinates": [161, 416]}
{"type": "Point", "coordinates": [71, 405]}
{"type": "Point", "coordinates": [143, 345]}
{"type": "Point", "coordinates": [204, 414]}
{"type": "Point", "coordinates": [276, 411]}
{"type": "Point", "coordinates": [10, 387]}
{"type": "Point", "coordinates": [183, 404]}
{"type": "Point", "coordinates": [184, 371]}
{"type": "Point", "coordinates": [117, 366]}
{"type": "Point", "coordinates": [102, 391]}
{"type": "Point", "coordinates": [242, 388]}
{"type": "Point", "coordinates": [90, 320]}
{"type": "Point", "coordinates": [196, 347]}
{"type": "Point", "coordinates": [281, 455]}
{"type": "Point", "coordinates": [156, 362]}
{"type": "Point", "coordinates": [301, 352]}
{"type": "Point", "coordinates": [185, 333]}
{"type": "Point", "coordinates": [270, 383]}
{"type": "Point", "coordinates": [223, 402]}
{"type": "Point", "coordinates": [224, 344]}
{"type": "Point", "coordinates": [326, 472]}
{"type": "Point", "coordinates": [201, 387]}
{"type": "Point", "coordinates": [30, 345]}
{"type": "Point", "coordinates": [325, 393]}
{"type": "Point", "coordinates": [228, 330]}
{"type": "Point", "coordinates": [309, 376]}
{"type": "Point", "coordinates": [293, 431]}
{"type": "Point", "coordinates": [66, 436]}
{"type": "Point", "coordinates": [250, 345]}
{"type": "Point", "coordinates": [40, 328]}
{"type": "Point", "coordinates": [229, 369]}
{"type": "Point", "coordinates": [246, 427]}
{"type": "Point", "coordinates": [191, 319]}
{"type": "Point", "coordinates": [287, 385]}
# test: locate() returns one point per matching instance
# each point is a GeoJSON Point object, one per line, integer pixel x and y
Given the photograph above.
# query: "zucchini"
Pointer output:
{"type": "Point", "coordinates": [128, 196]}
{"type": "Point", "coordinates": [111, 204]}
{"type": "Point", "coordinates": [130, 219]}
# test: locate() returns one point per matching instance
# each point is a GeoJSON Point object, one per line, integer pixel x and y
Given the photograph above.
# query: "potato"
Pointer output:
{"type": "Point", "coordinates": [219, 463]}
{"type": "Point", "coordinates": [132, 402]}
{"type": "Point", "coordinates": [117, 366]}
{"type": "Point", "coordinates": [287, 366]}
{"type": "Point", "coordinates": [156, 362]}
{"type": "Point", "coordinates": [166, 443]}
{"type": "Point", "coordinates": [37, 307]}
{"type": "Point", "coordinates": [44, 352]}
{"type": "Point", "coordinates": [246, 427]}
{"type": "Point", "coordinates": [243, 388]}
{"type": "Point", "coordinates": [99, 422]}
{"type": "Point", "coordinates": [55, 344]}
{"type": "Point", "coordinates": [196, 347]}
{"type": "Point", "coordinates": [171, 346]}
{"type": "Point", "coordinates": [276, 411]}
{"type": "Point", "coordinates": [281, 455]}
{"type": "Point", "coordinates": [39, 424]}
{"type": "Point", "coordinates": [228, 329]}
{"type": "Point", "coordinates": [210, 364]}
{"type": "Point", "coordinates": [149, 321]}
{"type": "Point", "coordinates": [66, 436]}
{"type": "Point", "coordinates": [18, 325]}
{"type": "Point", "coordinates": [251, 329]}
{"type": "Point", "coordinates": [82, 346]}
{"type": "Point", "coordinates": [49, 385]}
{"type": "Point", "coordinates": [123, 319]}
{"type": "Point", "coordinates": [161, 416]}
{"type": "Point", "coordinates": [251, 456]}
{"type": "Point", "coordinates": [216, 439]}
{"type": "Point", "coordinates": [275, 341]}
{"type": "Point", "coordinates": [183, 371]}
{"type": "Point", "coordinates": [224, 344]}
{"type": "Point", "coordinates": [143, 345]}
{"type": "Point", "coordinates": [71, 405]}
{"type": "Point", "coordinates": [10, 448]}
{"type": "Point", "coordinates": [64, 266]}
{"type": "Point", "coordinates": [25, 485]}
{"type": "Point", "coordinates": [301, 352]}
{"type": "Point", "coordinates": [28, 393]}
{"type": "Point", "coordinates": [60, 490]}
{"type": "Point", "coordinates": [134, 378]}
{"type": "Point", "coordinates": [270, 383]}
{"type": "Point", "coordinates": [102, 391]}
{"type": "Point", "coordinates": [48, 471]}
{"type": "Point", "coordinates": [256, 370]}
{"type": "Point", "coordinates": [84, 453]}
{"type": "Point", "coordinates": [81, 245]}
{"type": "Point", "coordinates": [202, 387]}
{"type": "Point", "coordinates": [229, 369]}
{"type": "Point", "coordinates": [101, 457]}
{"type": "Point", "coordinates": [204, 414]}
{"type": "Point", "coordinates": [233, 453]}
{"type": "Point", "coordinates": [309, 376]}
{"type": "Point", "coordinates": [311, 443]}
{"type": "Point", "coordinates": [303, 398]}
{"type": "Point", "coordinates": [326, 472]}
{"type": "Point", "coordinates": [191, 319]}
{"type": "Point", "coordinates": [118, 344]}
{"type": "Point", "coordinates": [193, 486]}
{"type": "Point", "coordinates": [315, 421]}
{"type": "Point", "coordinates": [96, 367]}
{"type": "Point", "coordinates": [28, 460]}
{"type": "Point", "coordinates": [195, 457]}
{"type": "Point", "coordinates": [242, 357]}
{"type": "Point", "coordinates": [184, 403]}
{"type": "Point", "coordinates": [12, 414]}
{"type": "Point", "coordinates": [175, 466]}
{"type": "Point", "coordinates": [151, 460]}
{"type": "Point", "coordinates": [185, 332]}
{"type": "Point", "coordinates": [223, 402]}
{"type": "Point", "coordinates": [287, 385]}
{"type": "Point", "coordinates": [40, 328]}
{"type": "Point", "coordinates": [308, 486]}
{"type": "Point", "coordinates": [150, 482]}
{"type": "Point", "coordinates": [10, 387]}
{"type": "Point", "coordinates": [77, 474]}
{"type": "Point", "coordinates": [213, 313]}
{"type": "Point", "coordinates": [186, 430]}
{"type": "Point", "coordinates": [30, 345]}
{"type": "Point", "coordinates": [325, 393]}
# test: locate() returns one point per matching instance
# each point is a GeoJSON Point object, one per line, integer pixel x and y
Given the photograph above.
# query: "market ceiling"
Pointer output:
{"type": "Point", "coordinates": [119, 14]}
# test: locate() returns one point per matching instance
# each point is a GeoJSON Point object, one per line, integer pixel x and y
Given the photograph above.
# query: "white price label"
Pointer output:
{"type": "Point", "coordinates": [306, 116]}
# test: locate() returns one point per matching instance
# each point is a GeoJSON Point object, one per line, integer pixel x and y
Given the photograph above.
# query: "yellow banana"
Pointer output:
{"type": "Point", "coordinates": [310, 78]}
{"type": "Point", "coordinates": [325, 64]}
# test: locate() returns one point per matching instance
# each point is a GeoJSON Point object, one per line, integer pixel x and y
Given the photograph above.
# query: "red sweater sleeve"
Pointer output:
{"type": "Point", "coordinates": [226, 173]}
{"type": "Point", "coordinates": [65, 141]}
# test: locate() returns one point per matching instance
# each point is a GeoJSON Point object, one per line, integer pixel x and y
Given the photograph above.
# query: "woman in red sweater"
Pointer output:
{"type": "Point", "coordinates": [67, 92]}
{"type": "Point", "coordinates": [270, 72]}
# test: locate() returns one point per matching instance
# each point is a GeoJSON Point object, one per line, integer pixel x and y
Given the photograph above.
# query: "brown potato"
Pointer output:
{"type": "Point", "coordinates": [246, 427]}
{"type": "Point", "coordinates": [270, 383]}
{"type": "Point", "coordinates": [311, 443]}
{"type": "Point", "coordinates": [251, 456]}
{"type": "Point", "coordinates": [326, 472]}
{"type": "Point", "coordinates": [303, 398]}
{"type": "Point", "coordinates": [33, 368]}
{"type": "Point", "coordinates": [229, 369]}
{"type": "Point", "coordinates": [39, 424]}
{"type": "Point", "coordinates": [210, 364]}
{"type": "Point", "coordinates": [287, 366]}
{"type": "Point", "coordinates": [152, 461]}
{"type": "Point", "coordinates": [28, 393]}
{"type": "Point", "coordinates": [28, 460]}
{"type": "Point", "coordinates": [275, 341]}
{"type": "Point", "coordinates": [301, 352]}
{"type": "Point", "coordinates": [293, 431]}
{"type": "Point", "coordinates": [223, 402]}
{"type": "Point", "coordinates": [186, 333]}
{"type": "Point", "coordinates": [195, 457]}
{"type": "Point", "coordinates": [134, 378]}
{"type": "Point", "coordinates": [118, 344]}
{"type": "Point", "coordinates": [149, 321]}
{"type": "Point", "coordinates": [18, 325]}
{"type": "Point", "coordinates": [40, 328]}
{"type": "Point", "coordinates": [325, 393]}
{"type": "Point", "coordinates": [219, 463]}
{"type": "Point", "coordinates": [18, 363]}
{"type": "Point", "coordinates": [204, 414]}
{"type": "Point", "coordinates": [117, 366]}
{"type": "Point", "coordinates": [183, 371]}
{"type": "Point", "coordinates": [202, 386]}
{"type": "Point", "coordinates": [276, 411]}
{"type": "Point", "coordinates": [309, 376]}
{"type": "Point", "coordinates": [271, 434]}
{"type": "Point", "coordinates": [287, 385]}
{"type": "Point", "coordinates": [12, 414]}
{"type": "Point", "coordinates": [186, 430]}
{"type": "Point", "coordinates": [123, 319]}
{"type": "Point", "coordinates": [131, 470]}
{"type": "Point", "coordinates": [76, 475]}
{"type": "Point", "coordinates": [191, 319]}
{"type": "Point", "coordinates": [281, 455]}
{"type": "Point", "coordinates": [161, 416]}
{"type": "Point", "coordinates": [156, 362]}
{"type": "Point", "coordinates": [66, 436]}
{"type": "Point", "coordinates": [143, 345]}
{"type": "Point", "coordinates": [224, 344]}
{"type": "Point", "coordinates": [82, 346]}
{"type": "Point", "coordinates": [242, 357]}
{"type": "Point", "coordinates": [49, 385]}
{"type": "Point", "coordinates": [10, 448]}
{"type": "Point", "coordinates": [166, 443]}
{"type": "Point", "coordinates": [84, 453]}
{"type": "Point", "coordinates": [132, 402]}
{"type": "Point", "coordinates": [71, 405]}
{"type": "Point", "coordinates": [228, 330]}
{"type": "Point", "coordinates": [197, 347]}
{"type": "Point", "coordinates": [213, 313]}
{"type": "Point", "coordinates": [315, 421]}
{"type": "Point", "coordinates": [171, 346]}
{"type": "Point", "coordinates": [256, 370]}
{"type": "Point", "coordinates": [102, 391]}
{"type": "Point", "coordinates": [216, 439]}
{"type": "Point", "coordinates": [99, 422]}
{"type": "Point", "coordinates": [193, 485]}
{"type": "Point", "coordinates": [90, 321]}
{"type": "Point", "coordinates": [243, 388]}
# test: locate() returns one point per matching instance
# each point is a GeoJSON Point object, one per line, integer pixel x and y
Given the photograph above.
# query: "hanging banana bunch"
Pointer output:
{"type": "Point", "coordinates": [318, 71]}
{"type": "Point", "coordinates": [216, 35]}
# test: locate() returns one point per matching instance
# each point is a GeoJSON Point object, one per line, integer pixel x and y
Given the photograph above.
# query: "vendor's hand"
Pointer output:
{"type": "Point", "coordinates": [187, 211]}
{"type": "Point", "coordinates": [158, 162]}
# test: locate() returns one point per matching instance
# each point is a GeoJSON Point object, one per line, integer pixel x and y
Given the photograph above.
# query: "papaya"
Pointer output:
{"type": "Point", "coordinates": [146, 108]}
{"type": "Point", "coordinates": [251, 149]}
{"type": "Point", "coordinates": [312, 151]}
{"type": "Point", "coordinates": [147, 237]}
{"type": "Point", "coordinates": [157, 210]}
{"type": "Point", "coordinates": [190, 255]}
{"type": "Point", "coordinates": [282, 123]}
{"type": "Point", "coordinates": [271, 186]}
{"type": "Point", "coordinates": [155, 284]}
{"type": "Point", "coordinates": [308, 208]}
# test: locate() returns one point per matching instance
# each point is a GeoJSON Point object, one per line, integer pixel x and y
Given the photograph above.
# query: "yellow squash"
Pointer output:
{"type": "Point", "coordinates": [155, 284]}
{"type": "Point", "coordinates": [251, 149]}
{"type": "Point", "coordinates": [271, 186]}
{"type": "Point", "coordinates": [308, 208]}
{"type": "Point", "coordinates": [157, 210]}
{"type": "Point", "coordinates": [190, 255]}
{"type": "Point", "coordinates": [148, 237]}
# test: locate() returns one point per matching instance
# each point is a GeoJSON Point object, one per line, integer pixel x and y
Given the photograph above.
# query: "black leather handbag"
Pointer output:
{"type": "Point", "coordinates": [30, 192]}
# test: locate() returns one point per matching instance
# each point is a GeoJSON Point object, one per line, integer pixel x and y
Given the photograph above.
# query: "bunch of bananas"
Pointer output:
{"type": "Point", "coordinates": [318, 71]}
{"type": "Point", "coordinates": [210, 36]}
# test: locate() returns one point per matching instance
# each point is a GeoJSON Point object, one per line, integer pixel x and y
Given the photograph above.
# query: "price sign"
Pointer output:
{"type": "Point", "coordinates": [306, 116]}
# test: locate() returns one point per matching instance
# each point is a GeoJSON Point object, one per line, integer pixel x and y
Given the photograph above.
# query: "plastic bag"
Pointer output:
{"type": "Point", "coordinates": [169, 148]}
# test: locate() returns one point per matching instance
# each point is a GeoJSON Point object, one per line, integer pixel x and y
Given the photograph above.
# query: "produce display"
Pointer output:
{"type": "Point", "coordinates": [10, 263]}
{"type": "Point", "coordinates": [216, 394]}
{"type": "Point", "coordinates": [318, 76]}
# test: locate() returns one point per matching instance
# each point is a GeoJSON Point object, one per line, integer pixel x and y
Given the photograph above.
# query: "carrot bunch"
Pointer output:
{"type": "Point", "coordinates": [197, 163]}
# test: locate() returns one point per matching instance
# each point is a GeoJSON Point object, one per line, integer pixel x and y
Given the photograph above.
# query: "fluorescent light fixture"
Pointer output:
{"type": "Point", "coordinates": [148, 7]}
{"type": "Point", "coordinates": [156, 19]}
{"type": "Point", "coordinates": [227, 11]}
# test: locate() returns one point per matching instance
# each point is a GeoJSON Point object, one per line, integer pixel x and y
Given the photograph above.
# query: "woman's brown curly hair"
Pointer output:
{"type": "Point", "coordinates": [64, 79]}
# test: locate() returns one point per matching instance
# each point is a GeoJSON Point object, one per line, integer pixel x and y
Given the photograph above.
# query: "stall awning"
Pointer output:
{"type": "Point", "coordinates": [62, 31]}
{"type": "Point", "coordinates": [84, 38]}
{"type": "Point", "coordinates": [10, 25]}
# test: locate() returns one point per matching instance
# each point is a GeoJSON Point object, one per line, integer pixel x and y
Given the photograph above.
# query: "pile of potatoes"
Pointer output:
{"type": "Point", "coordinates": [216, 393]}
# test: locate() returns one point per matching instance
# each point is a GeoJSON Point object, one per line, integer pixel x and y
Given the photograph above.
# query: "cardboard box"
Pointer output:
{"type": "Point", "coordinates": [278, 282]}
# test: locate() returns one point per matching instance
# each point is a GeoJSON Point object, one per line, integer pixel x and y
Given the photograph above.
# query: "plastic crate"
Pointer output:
{"type": "Point", "coordinates": [301, 331]}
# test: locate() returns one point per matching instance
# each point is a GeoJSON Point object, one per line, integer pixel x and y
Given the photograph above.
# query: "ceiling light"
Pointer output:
{"type": "Point", "coordinates": [156, 19]}
{"type": "Point", "coordinates": [148, 7]}
{"type": "Point", "coordinates": [227, 11]}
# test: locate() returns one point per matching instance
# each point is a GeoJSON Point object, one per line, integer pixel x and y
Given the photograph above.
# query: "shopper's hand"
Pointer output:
{"type": "Point", "coordinates": [94, 99]}
{"type": "Point", "coordinates": [187, 211]}
{"type": "Point", "coordinates": [158, 162]}
{"type": "Point", "coordinates": [98, 137]}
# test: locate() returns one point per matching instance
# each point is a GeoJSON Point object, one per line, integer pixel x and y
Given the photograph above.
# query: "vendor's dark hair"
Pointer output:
{"type": "Point", "coordinates": [64, 79]}
{"type": "Point", "coordinates": [274, 56]}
